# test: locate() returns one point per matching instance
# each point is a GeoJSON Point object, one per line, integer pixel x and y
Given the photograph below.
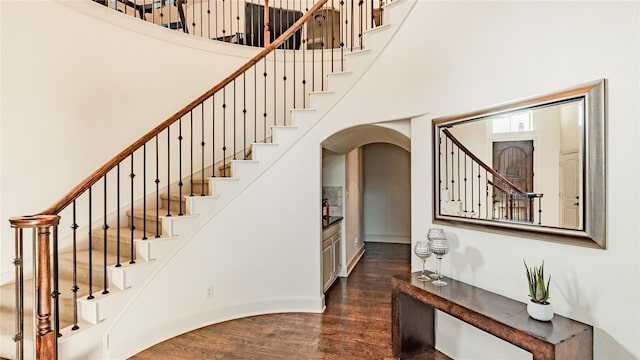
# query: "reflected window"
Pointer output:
{"type": "Point", "coordinates": [513, 123]}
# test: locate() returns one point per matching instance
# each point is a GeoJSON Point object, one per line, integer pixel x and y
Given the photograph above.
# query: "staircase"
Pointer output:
{"type": "Point", "coordinates": [183, 213]}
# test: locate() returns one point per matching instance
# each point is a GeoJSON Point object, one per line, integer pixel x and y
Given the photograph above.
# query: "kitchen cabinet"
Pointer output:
{"type": "Point", "coordinates": [331, 253]}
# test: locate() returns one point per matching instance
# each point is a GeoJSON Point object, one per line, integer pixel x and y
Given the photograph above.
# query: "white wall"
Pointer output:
{"type": "Point", "coordinates": [448, 58]}
{"type": "Point", "coordinates": [333, 170]}
{"type": "Point", "coordinates": [72, 84]}
{"type": "Point", "coordinates": [353, 243]}
{"type": "Point", "coordinates": [454, 57]}
{"type": "Point", "coordinates": [492, 53]}
{"type": "Point", "coordinates": [386, 194]}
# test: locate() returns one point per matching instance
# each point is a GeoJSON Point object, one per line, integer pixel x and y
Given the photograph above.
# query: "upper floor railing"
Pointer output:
{"type": "Point", "coordinates": [339, 24]}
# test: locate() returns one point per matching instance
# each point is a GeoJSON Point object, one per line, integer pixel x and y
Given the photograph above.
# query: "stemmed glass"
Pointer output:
{"type": "Point", "coordinates": [423, 251]}
{"type": "Point", "coordinates": [439, 246]}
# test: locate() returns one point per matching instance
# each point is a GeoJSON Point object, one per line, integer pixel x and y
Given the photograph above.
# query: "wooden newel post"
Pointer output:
{"type": "Point", "coordinates": [267, 33]}
{"type": "Point", "coordinates": [45, 336]}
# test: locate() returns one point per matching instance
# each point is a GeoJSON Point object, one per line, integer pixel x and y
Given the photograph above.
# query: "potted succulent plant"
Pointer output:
{"type": "Point", "coordinates": [539, 307]}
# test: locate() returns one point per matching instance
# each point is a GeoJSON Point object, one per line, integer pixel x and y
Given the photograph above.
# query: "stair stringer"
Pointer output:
{"type": "Point", "coordinates": [120, 333]}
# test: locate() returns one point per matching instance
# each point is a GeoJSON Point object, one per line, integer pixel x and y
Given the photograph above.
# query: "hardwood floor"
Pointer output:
{"type": "Point", "coordinates": [355, 325]}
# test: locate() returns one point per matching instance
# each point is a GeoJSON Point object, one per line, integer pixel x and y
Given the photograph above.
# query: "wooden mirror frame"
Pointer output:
{"type": "Point", "coordinates": [593, 231]}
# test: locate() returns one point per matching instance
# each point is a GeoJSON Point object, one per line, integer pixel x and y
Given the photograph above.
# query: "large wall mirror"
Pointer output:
{"type": "Point", "coordinates": [534, 167]}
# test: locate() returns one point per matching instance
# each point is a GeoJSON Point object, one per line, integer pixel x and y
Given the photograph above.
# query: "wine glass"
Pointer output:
{"type": "Point", "coordinates": [439, 246]}
{"type": "Point", "coordinates": [433, 234]}
{"type": "Point", "coordinates": [423, 251]}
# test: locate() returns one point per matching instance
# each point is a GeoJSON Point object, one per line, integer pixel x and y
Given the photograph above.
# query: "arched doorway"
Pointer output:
{"type": "Point", "coordinates": [373, 177]}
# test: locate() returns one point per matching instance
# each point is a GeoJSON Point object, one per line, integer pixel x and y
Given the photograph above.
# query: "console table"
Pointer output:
{"type": "Point", "coordinates": [413, 305]}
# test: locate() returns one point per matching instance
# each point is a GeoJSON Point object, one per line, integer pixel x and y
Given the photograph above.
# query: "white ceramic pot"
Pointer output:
{"type": "Point", "coordinates": [542, 312]}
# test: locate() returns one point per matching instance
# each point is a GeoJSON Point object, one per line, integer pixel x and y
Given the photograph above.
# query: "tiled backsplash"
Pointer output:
{"type": "Point", "coordinates": [334, 195]}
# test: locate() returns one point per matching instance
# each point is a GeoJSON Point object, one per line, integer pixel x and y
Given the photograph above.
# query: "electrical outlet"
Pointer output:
{"type": "Point", "coordinates": [210, 292]}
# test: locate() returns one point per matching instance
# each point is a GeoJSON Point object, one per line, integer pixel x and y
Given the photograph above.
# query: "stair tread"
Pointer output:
{"type": "Point", "coordinates": [82, 258]}
{"type": "Point", "coordinates": [112, 234]}
{"type": "Point", "coordinates": [151, 213]}
{"type": "Point", "coordinates": [7, 292]}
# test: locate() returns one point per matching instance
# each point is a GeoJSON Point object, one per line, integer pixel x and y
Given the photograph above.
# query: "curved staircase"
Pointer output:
{"type": "Point", "coordinates": [144, 262]}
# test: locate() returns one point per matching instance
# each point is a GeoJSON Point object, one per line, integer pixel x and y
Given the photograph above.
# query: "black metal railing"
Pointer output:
{"type": "Point", "coordinates": [471, 188]}
{"type": "Point", "coordinates": [340, 24]}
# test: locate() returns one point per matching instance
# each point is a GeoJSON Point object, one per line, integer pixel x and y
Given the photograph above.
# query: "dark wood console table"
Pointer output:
{"type": "Point", "coordinates": [413, 306]}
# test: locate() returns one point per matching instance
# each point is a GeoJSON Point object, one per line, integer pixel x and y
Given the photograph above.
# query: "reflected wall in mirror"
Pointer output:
{"type": "Point", "coordinates": [534, 166]}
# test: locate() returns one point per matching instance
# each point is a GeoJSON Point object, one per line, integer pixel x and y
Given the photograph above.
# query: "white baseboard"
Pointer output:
{"type": "Point", "coordinates": [352, 263]}
{"type": "Point", "coordinates": [393, 239]}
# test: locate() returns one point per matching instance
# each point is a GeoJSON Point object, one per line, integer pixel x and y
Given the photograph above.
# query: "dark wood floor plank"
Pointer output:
{"type": "Point", "coordinates": [355, 325]}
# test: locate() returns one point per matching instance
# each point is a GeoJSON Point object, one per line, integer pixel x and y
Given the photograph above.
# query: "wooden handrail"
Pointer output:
{"type": "Point", "coordinates": [104, 169]}
{"type": "Point", "coordinates": [487, 167]}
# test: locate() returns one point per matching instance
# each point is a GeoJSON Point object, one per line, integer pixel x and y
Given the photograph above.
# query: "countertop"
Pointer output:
{"type": "Point", "coordinates": [328, 221]}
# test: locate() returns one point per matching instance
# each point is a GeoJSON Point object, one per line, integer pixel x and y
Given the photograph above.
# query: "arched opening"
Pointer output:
{"type": "Point", "coordinates": [366, 180]}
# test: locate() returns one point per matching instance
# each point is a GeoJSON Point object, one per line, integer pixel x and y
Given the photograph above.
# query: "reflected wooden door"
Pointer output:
{"type": "Point", "coordinates": [514, 161]}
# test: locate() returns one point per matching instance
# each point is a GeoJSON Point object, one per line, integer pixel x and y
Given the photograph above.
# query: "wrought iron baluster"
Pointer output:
{"type": "Point", "coordinates": [361, 23]}
{"type": "Point", "coordinates": [373, 17]}
{"type": "Point", "coordinates": [213, 138]}
{"type": "Point", "coordinates": [55, 293]}
{"type": "Point", "coordinates": [244, 114]}
{"type": "Point", "coordinates": [323, 28]}
{"type": "Point", "coordinates": [305, 41]}
{"type": "Point", "coordinates": [180, 183]}
{"type": "Point", "coordinates": [224, 30]}
{"type": "Point", "coordinates": [352, 29]}
{"type": "Point", "coordinates": [202, 145]}
{"type": "Point", "coordinates": [74, 270]}
{"type": "Point", "coordinates": [479, 191]}
{"type": "Point", "coordinates": [235, 112]}
{"type": "Point", "coordinates": [293, 88]}
{"type": "Point", "coordinates": [224, 131]}
{"type": "Point", "coordinates": [275, 93]}
{"type": "Point", "coordinates": [472, 194]}
{"type": "Point", "coordinates": [90, 247]}
{"type": "Point", "coordinates": [255, 103]}
{"type": "Point", "coordinates": [105, 228]}
{"type": "Point", "coordinates": [132, 175]}
{"type": "Point", "coordinates": [264, 129]}
{"type": "Point", "coordinates": [343, 32]}
{"type": "Point", "coordinates": [168, 168]}
{"type": "Point", "coordinates": [117, 216]}
{"type": "Point", "coordinates": [230, 20]}
{"type": "Point", "coordinates": [446, 164]}
{"type": "Point", "coordinates": [157, 181]}
{"type": "Point", "coordinates": [239, 41]}
{"type": "Point", "coordinates": [333, 36]}
{"type": "Point", "coordinates": [284, 86]}
{"type": "Point", "coordinates": [539, 210]}
{"type": "Point", "coordinates": [193, 17]}
{"type": "Point", "coordinates": [144, 197]}
{"type": "Point", "coordinates": [453, 181]}
{"type": "Point", "coordinates": [209, 19]}
{"type": "Point", "coordinates": [465, 183]}
{"type": "Point", "coordinates": [486, 198]}
{"type": "Point", "coordinates": [458, 167]}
